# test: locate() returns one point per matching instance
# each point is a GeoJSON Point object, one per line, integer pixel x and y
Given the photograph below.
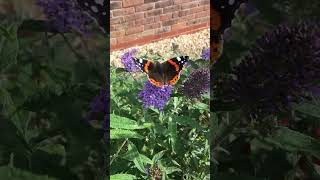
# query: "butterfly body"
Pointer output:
{"type": "Point", "coordinates": [165, 73]}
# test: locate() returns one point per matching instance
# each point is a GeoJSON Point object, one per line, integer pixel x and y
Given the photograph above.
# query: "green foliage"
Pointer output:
{"type": "Point", "coordinates": [150, 144]}
{"type": "Point", "coordinates": [47, 82]}
{"type": "Point", "coordinates": [279, 146]}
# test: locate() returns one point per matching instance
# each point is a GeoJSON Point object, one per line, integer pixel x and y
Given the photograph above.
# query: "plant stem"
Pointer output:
{"type": "Point", "coordinates": [117, 153]}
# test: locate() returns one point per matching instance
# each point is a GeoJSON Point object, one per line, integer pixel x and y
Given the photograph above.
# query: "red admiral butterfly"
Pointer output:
{"type": "Point", "coordinates": [98, 10]}
{"type": "Point", "coordinates": [160, 74]}
{"type": "Point", "coordinates": [222, 12]}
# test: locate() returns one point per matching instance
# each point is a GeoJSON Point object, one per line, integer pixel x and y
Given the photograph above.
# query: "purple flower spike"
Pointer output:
{"type": "Point", "coordinates": [197, 83]}
{"type": "Point", "coordinates": [65, 15]}
{"type": "Point", "coordinates": [206, 54]}
{"type": "Point", "coordinates": [154, 96]}
{"type": "Point", "coordinates": [126, 60]}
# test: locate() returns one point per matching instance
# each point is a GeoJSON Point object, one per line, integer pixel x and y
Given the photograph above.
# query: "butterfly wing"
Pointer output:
{"type": "Point", "coordinates": [172, 68]}
{"type": "Point", "coordinates": [98, 10]}
{"type": "Point", "coordinates": [222, 13]}
{"type": "Point", "coordinates": [152, 70]}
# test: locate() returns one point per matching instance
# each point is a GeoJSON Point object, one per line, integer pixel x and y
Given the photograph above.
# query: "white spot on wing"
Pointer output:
{"type": "Point", "coordinates": [179, 59]}
{"type": "Point", "coordinates": [140, 60]}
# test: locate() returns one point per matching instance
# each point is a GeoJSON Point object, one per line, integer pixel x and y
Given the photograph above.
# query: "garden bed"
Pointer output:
{"type": "Point", "coordinates": [188, 44]}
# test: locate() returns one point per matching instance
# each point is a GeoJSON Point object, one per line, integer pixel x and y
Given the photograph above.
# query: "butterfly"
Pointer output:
{"type": "Point", "coordinates": [97, 9]}
{"type": "Point", "coordinates": [222, 13]}
{"type": "Point", "coordinates": [165, 73]}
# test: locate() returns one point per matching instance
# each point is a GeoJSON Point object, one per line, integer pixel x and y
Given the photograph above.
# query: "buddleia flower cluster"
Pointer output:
{"type": "Point", "coordinates": [206, 54]}
{"type": "Point", "coordinates": [127, 61]}
{"type": "Point", "coordinates": [283, 65]}
{"type": "Point", "coordinates": [153, 96]}
{"type": "Point", "coordinates": [65, 15]}
{"type": "Point", "coordinates": [197, 83]}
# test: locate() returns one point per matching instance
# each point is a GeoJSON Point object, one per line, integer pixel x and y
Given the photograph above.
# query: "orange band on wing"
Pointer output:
{"type": "Point", "coordinates": [154, 82]}
{"type": "Point", "coordinates": [174, 64]}
{"type": "Point", "coordinates": [174, 80]}
{"type": "Point", "coordinates": [146, 66]}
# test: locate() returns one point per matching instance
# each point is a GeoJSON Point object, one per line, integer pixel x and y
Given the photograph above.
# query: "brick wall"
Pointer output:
{"type": "Point", "coordinates": [136, 22]}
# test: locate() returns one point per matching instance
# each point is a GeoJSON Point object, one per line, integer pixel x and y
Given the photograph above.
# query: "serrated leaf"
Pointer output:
{"type": "Point", "coordinates": [120, 122]}
{"type": "Point", "coordinates": [122, 177]}
{"type": "Point", "coordinates": [123, 133]}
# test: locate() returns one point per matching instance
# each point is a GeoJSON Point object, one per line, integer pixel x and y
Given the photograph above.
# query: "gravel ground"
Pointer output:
{"type": "Point", "coordinates": [189, 44]}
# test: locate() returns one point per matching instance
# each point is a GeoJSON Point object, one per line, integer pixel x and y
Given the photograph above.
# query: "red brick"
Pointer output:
{"type": "Point", "coordinates": [123, 11]}
{"type": "Point", "coordinates": [112, 28]}
{"type": "Point", "coordinates": [135, 16]}
{"type": "Point", "coordinates": [145, 7]}
{"type": "Point", "coordinates": [150, 1]}
{"type": "Point", "coordinates": [148, 32]}
{"type": "Point", "coordinates": [152, 26]}
{"type": "Point", "coordinates": [134, 30]}
{"type": "Point", "coordinates": [116, 20]}
{"type": "Point", "coordinates": [154, 12]}
{"type": "Point", "coordinates": [189, 5]}
{"type": "Point", "coordinates": [202, 14]}
{"type": "Point", "coordinates": [171, 9]}
{"type": "Point", "coordinates": [204, 2]}
{"type": "Point", "coordinates": [196, 9]}
{"type": "Point", "coordinates": [115, 5]}
{"type": "Point", "coordinates": [175, 14]}
{"type": "Point", "coordinates": [184, 12]}
{"type": "Point", "coordinates": [128, 3]}
{"type": "Point", "coordinates": [181, 1]}
{"type": "Point", "coordinates": [143, 21]}
{"type": "Point", "coordinates": [187, 18]}
{"type": "Point", "coordinates": [156, 18]}
{"type": "Point", "coordinates": [115, 34]}
{"type": "Point", "coordinates": [169, 22]}
{"type": "Point", "coordinates": [163, 4]}
{"type": "Point", "coordinates": [164, 17]}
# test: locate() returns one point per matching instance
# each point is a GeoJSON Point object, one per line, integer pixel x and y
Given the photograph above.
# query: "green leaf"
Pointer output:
{"type": "Point", "coordinates": [158, 156]}
{"type": "Point", "coordinates": [137, 160]}
{"type": "Point", "coordinates": [294, 141]}
{"type": "Point", "coordinates": [170, 170]}
{"type": "Point", "coordinates": [187, 121]}
{"type": "Point", "coordinates": [9, 45]}
{"type": "Point", "coordinates": [308, 109]}
{"type": "Point", "coordinates": [17, 174]}
{"type": "Point", "coordinates": [122, 134]}
{"type": "Point", "coordinates": [122, 177]}
{"type": "Point", "coordinates": [200, 106]}
{"type": "Point", "coordinates": [120, 122]}
{"type": "Point", "coordinates": [145, 159]}
{"type": "Point", "coordinates": [54, 149]}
